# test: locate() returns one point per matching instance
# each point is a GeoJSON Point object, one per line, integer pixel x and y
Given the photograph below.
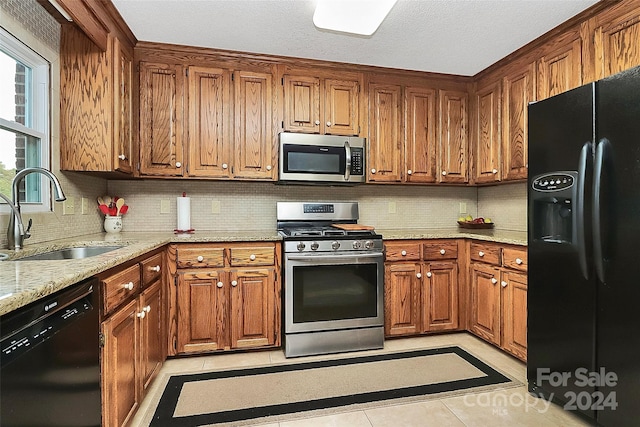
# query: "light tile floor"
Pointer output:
{"type": "Point", "coordinates": [508, 407]}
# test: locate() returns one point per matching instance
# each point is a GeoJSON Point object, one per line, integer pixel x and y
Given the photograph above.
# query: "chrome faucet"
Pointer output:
{"type": "Point", "coordinates": [16, 232]}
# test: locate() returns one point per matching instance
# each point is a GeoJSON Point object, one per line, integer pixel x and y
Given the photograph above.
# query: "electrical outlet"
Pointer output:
{"type": "Point", "coordinates": [392, 207]}
{"type": "Point", "coordinates": [463, 207]}
{"type": "Point", "coordinates": [85, 206]}
{"type": "Point", "coordinates": [215, 206]}
{"type": "Point", "coordinates": [68, 206]}
{"type": "Point", "coordinates": [165, 206]}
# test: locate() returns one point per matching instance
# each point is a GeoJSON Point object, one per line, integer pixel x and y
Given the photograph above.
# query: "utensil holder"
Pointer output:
{"type": "Point", "coordinates": [113, 224]}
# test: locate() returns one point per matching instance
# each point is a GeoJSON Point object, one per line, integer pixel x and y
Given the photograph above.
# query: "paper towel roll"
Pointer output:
{"type": "Point", "coordinates": [184, 213]}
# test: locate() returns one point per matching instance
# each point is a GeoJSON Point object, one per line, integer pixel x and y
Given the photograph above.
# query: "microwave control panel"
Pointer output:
{"type": "Point", "coordinates": [357, 162]}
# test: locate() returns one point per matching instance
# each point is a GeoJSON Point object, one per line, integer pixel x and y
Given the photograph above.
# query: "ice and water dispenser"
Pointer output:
{"type": "Point", "coordinates": [553, 198]}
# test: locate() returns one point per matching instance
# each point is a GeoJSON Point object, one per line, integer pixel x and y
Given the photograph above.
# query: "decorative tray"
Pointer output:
{"type": "Point", "coordinates": [464, 224]}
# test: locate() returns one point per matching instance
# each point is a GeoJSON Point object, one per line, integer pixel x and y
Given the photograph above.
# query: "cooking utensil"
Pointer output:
{"type": "Point", "coordinates": [101, 201]}
{"type": "Point", "coordinates": [124, 209]}
{"type": "Point", "coordinates": [119, 205]}
{"type": "Point", "coordinates": [104, 209]}
{"type": "Point", "coordinates": [107, 200]}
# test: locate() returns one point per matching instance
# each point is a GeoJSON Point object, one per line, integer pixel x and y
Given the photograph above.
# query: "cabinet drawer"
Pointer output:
{"type": "Point", "coordinates": [200, 257]}
{"type": "Point", "coordinates": [118, 287]}
{"type": "Point", "coordinates": [252, 256]}
{"type": "Point", "coordinates": [402, 251]}
{"type": "Point", "coordinates": [489, 254]}
{"type": "Point", "coordinates": [151, 269]}
{"type": "Point", "coordinates": [514, 258]}
{"type": "Point", "coordinates": [440, 250]}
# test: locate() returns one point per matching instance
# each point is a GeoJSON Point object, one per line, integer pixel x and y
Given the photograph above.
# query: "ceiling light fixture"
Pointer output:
{"type": "Point", "coordinates": [352, 16]}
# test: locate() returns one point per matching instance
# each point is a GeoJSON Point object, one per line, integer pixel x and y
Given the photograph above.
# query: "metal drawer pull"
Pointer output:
{"type": "Point", "coordinates": [429, 274]}
{"type": "Point", "coordinates": [504, 284]}
{"type": "Point", "coordinates": [403, 253]}
{"type": "Point", "coordinates": [442, 251]}
{"type": "Point", "coordinates": [147, 308]}
{"type": "Point", "coordinates": [234, 283]}
{"type": "Point", "coordinates": [155, 268]}
{"type": "Point", "coordinates": [252, 257]}
{"type": "Point", "coordinates": [200, 258]}
{"type": "Point", "coordinates": [141, 314]}
{"type": "Point", "coordinates": [128, 286]}
{"type": "Point", "coordinates": [418, 275]}
{"type": "Point", "coordinates": [480, 253]}
{"type": "Point", "coordinates": [219, 284]}
{"type": "Point", "coordinates": [518, 261]}
{"type": "Point", "coordinates": [494, 280]}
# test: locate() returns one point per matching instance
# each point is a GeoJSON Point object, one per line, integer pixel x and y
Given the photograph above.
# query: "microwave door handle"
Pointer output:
{"type": "Point", "coordinates": [347, 168]}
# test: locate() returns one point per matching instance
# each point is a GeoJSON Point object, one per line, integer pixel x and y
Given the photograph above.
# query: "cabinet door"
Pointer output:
{"type": "Point", "coordinates": [402, 299]}
{"type": "Point", "coordinates": [341, 107]}
{"type": "Point", "coordinates": [209, 137]}
{"type": "Point", "coordinates": [255, 135]}
{"type": "Point", "coordinates": [485, 302]}
{"type": "Point", "coordinates": [514, 313]}
{"type": "Point", "coordinates": [202, 297]}
{"type": "Point", "coordinates": [616, 39]}
{"type": "Point", "coordinates": [252, 314]}
{"type": "Point", "coordinates": [518, 89]}
{"type": "Point", "coordinates": [122, 107]}
{"type": "Point", "coordinates": [486, 133]}
{"type": "Point", "coordinates": [120, 366]}
{"type": "Point", "coordinates": [152, 333]}
{"type": "Point", "coordinates": [385, 133]}
{"type": "Point", "coordinates": [453, 137]}
{"type": "Point", "coordinates": [560, 67]}
{"type": "Point", "coordinates": [440, 296]}
{"type": "Point", "coordinates": [301, 104]}
{"type": "Point", "coordinates": [161, 107]}
{"type": "Point", "coordinates": [420, 143]}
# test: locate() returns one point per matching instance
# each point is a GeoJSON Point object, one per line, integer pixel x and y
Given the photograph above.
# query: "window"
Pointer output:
{"type": "Point", "coordinates": [24, 121]}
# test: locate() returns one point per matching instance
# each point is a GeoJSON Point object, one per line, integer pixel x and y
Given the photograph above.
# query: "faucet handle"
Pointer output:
{"type": "Point", "coordinates": [27, 234]}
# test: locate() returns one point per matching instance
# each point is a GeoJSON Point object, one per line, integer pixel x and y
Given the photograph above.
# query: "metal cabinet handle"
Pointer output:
{"type": "Point", "coordinates": [403, 253]}
{"type": "Point", "coordinates": [219, 284]}
{"type": "Point", "coordinates": [128, 286]}
{"type": "Point", "coordinates": [518, 261]}
{"type": "Point", "coordinates": [200, 258]}
{"type": "Point", "coordinates": [480, 253]}
{"type": "Point", "coordinates": [409, 172]}
{"type": "Point", "coordinates": [442, 251]}
{"type": "Point", "coordinates": [225, 166]}
{"type": "Point", "coordinates": [147, 308]}
{"type": "Point", "coordinates": [429, 274]}
{"type": "Point", "coordinates": [419, 275]}
{"type": "Point", "coordinates": [504, 284]}
{"type": "Point", "coordinates": [494, 280]}
{"type": "Point", "coordinates": [252, 257]}
{"type": "Point", "coordinates": [494, 171]}
{"type": "Point", "coordinates": [142, 314]}
{"type": "Point", "coordinates": [178, 164]}
{"type": "Point", "coordinates": [329, 124]}
{"type": "Point", "coordinates": [269, 167]}
{"type": "Point", "coordinates": [444, 173]}
{"type": "Point", "coordinates": [373, 171]}
{"type": "Point", "coordinates": [155, 268]}
{"type": "Point", "coordinates": [317, 122]}
{"type": "Point", "coordinates": [122, 157]}
{"type": "Point", "coordinates": [234, 283]}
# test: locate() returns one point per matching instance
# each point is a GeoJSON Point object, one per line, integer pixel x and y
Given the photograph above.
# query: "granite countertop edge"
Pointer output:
{"type": "Point", "coordinates": [23, 282]}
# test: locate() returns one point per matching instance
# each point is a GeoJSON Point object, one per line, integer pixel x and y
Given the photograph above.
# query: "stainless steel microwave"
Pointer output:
{"type": "Point", "coordinates": [322, 158]}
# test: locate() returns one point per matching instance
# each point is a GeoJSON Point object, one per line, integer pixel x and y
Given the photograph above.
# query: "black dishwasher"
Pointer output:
{"type": "Point", "coordinates": [50, 361]}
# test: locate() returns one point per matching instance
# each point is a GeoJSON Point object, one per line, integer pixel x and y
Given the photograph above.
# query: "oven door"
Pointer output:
{"type": "Point", "coordinates": [333, 291]}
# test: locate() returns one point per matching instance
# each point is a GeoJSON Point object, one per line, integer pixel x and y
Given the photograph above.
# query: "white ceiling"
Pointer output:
{"type": "Point", "coordinates": [447, 36]}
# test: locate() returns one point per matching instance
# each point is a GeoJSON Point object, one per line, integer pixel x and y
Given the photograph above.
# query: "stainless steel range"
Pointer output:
{"type": "Point", "coordinates": [333, 279]}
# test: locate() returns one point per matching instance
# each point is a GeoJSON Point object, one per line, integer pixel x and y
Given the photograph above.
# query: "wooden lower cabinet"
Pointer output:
{"type": "Point", "coordinates": [498, 300]}
{"type": "Point", "coordinates": [225, 308]}
{"type": "Point", "coordinates": [135, 339]}
{"type": "Point", "coordinates": [421, 293]}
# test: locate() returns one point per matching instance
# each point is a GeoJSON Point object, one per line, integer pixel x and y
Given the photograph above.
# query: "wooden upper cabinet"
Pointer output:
{"type": "Point", "coordinates": [123, 107]}
{"type": "Point", "coordinates": [420, 133]}
{"type": "Point", "coordinates": [208, 143]}
{"type": "Point", "coordinates": [518, 90]}
{"type": "Point", "coordinates": [302, 104]}
{"type": "Point", "coordinates": [560, 65]}
{"type": "Point", "coordinates": [617, 39]}
{"type": "Point", "coordinates": [486, 135]}
{"type": "Point", "coordinates": [161, 115]}
{"type": "Point", "coordinates": [95, 104]}
{"type": "Point", "coordinates": [255, 133]}
{"type": "Point", "coordinates": [341, 107]}
{"type": "Point", "coordinates": [314, 104]}
{"type": "Point", "coordinates": [453, 137]}
{"type": "Point", "coordinates": [385, 158]}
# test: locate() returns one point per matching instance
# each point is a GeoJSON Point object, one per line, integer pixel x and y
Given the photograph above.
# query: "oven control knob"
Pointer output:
{"type": "Point", "coordinates": [315, 246]}
{"type": "Point", "coordinates": [357, 244]}
{"type": "Point", "coordinates": [335, 245]}
{"type": "Point", "coordinates": [368, 244]}
{"type": "Point", "coordinates": [301, 246]}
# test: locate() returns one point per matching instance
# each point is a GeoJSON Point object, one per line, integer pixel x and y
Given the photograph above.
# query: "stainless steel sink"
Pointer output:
{"type": "Point", "coordinates": [79, 252]}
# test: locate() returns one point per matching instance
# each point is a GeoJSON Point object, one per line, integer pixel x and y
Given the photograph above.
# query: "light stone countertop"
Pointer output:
{"type": "Point", "coordinates": [22, 282]}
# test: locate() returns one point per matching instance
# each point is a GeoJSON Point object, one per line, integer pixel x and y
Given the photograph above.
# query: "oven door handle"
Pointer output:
{"type": "Point", "coordinates": [315, 257]}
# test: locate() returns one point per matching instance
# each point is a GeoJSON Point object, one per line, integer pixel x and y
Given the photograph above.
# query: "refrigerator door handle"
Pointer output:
{"type": "Point", "coordinates": [585, 153]}
{"type": "Point", "coordinates": [598, 168]}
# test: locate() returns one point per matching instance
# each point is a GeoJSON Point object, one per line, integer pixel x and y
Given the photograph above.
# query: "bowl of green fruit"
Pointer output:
{"type": "Point", "coordinates": [477, 223]}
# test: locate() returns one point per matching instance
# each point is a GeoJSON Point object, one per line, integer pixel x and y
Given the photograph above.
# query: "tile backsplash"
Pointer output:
{"type": "Point", "coordinates": [252, 205]}
{"type": "Point", "coordinates": [505, 204]}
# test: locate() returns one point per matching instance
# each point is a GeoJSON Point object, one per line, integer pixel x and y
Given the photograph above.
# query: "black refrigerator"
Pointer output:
{"type": "Point", "coordinates": [584, 250]}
